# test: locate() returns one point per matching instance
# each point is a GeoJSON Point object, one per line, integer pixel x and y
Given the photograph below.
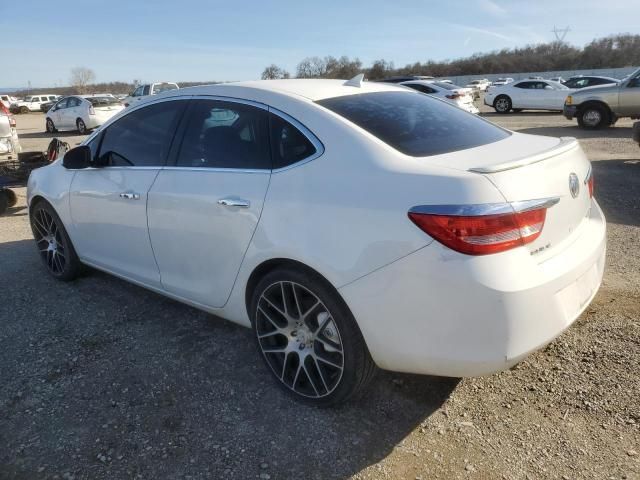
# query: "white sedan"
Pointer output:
{"type": "Point", "coordinates": [527, 94]}
{"type": "Point", "coordinates": [82, 112]}
{"type": "Point", "coordinates": [349, 224]}
{"type": "Point", "coordinates": [460, 97]}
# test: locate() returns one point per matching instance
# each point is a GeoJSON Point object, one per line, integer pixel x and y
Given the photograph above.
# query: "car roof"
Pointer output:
{"type": "Point", "coordinates": [594, 76]}
{"type": "Point", "coordinates": [311, 89]}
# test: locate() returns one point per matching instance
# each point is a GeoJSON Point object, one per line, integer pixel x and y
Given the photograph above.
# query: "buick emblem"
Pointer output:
{"type": "Point", "coordinates": [574, 185]}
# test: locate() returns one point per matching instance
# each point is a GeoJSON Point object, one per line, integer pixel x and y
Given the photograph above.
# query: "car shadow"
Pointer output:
{"type": "Point", "coordinates": [577, 132]}
{"type": "Point", "coordinates": [617, 189]}
{"type": "Point", "coordinates": [171, 390]}
{"type": "Point", "coordinates": [523, 114]}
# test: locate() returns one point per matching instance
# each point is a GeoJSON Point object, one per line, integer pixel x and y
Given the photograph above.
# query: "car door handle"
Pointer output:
{"type": "Point", "coordinates": [130, 195]}
{"type": "Point", "coordinates": [234, 202]}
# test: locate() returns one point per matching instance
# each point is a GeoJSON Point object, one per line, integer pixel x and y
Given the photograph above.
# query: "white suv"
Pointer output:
{"type": "Point", "coordinates": [32, 103]}
{"type": "Point", "coordinates": [147, 89]}
{"type": "Point", "coordinates": [7, 100]}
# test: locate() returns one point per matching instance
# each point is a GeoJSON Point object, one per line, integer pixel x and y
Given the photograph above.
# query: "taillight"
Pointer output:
{"type": "Point", "coordinates": [589, 181]}
{"type": "Point", "coordinates": [505, 228]}
{"type": "Point", "coordinates": [92, 110]}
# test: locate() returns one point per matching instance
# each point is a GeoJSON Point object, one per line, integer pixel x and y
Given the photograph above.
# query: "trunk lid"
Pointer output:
{"type": "Point", "coordinates": [558, 172]}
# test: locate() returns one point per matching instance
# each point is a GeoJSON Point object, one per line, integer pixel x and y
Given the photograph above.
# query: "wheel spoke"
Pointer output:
{"type": "Point", "coordinates": [274, 306]}
{"type": "Point", "coordinates": [295, 298]}
{"type": "Point", "coordinates": [315, 362]}
{"type": "Point", "coordinates": [284, 299]}
{"type": "Point", "coordinates": [304, 367]}
{"type": "Point", "coordinates": [328, 362]}
{"type": "Point", "coordinates": [271, 320]}
{"type": "Point", "coordinates": [328, 344]}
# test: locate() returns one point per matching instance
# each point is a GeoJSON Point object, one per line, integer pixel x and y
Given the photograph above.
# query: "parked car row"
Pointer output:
{"type": "Point", "coordinates": [594, 101]}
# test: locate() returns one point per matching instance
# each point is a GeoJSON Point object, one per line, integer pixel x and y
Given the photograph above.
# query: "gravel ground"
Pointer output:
{"type": "Point", "coordinates": [105, 380]}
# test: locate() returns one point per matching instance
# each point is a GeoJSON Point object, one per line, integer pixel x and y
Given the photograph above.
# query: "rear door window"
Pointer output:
{"type": "Point", "coordinates": [416, 125]}
{"type": "Point", "coordinates": [221, 134]}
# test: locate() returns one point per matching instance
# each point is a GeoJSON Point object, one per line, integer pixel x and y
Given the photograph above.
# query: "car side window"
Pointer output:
{"type": "Point", "coordinates": [145, 90]}
{"type": "Point", "coordinates": [137, 92]}
{"type": "Point", "coordinates": [62, 104]}
{"type": "Point", "coordinates": [225, 135]}
{"type": "Point", "coordinates": [634, 83]}
{"type": "Point", "coordinates": [142, 138]}
{"type": "Point", "coordinates": [288, 144]}
{"type": "Point", "coordinates": [73, 102]}
{"type": "Point", "coordinates": [525, 85]}
{"type": "Point", "coordinates": [421, 88]}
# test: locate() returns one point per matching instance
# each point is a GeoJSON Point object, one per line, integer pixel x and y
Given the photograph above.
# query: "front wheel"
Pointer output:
{"type": "Point", "coordinates": [55, 248]}
{"type": "Point", "coordinates": [51, 128]}
{"type": "Point", "coordinates": [309, 338]}
{"type": "Point", "coordinates": [502, 104]}
{"type": "Point", "coordinates": [80, 125]}
{"type": "Point", "coordinates": [593, 117]}
{"type": "Point", "coordinates": [24, 110]}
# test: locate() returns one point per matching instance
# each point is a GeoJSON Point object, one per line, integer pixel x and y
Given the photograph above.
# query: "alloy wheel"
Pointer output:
{"type": "Point", "coordinates": [592, 117]}
{"type": "Point", "coordinates": [299, 339]}
{"type": "Point", "coordinates": [502, 104]}
{"type": "Point", "coordinates": [50, 127]}
{"type": "Point", "coordinates": [49, 241]}
{"type": "Point", "coordinates": [82, 128]}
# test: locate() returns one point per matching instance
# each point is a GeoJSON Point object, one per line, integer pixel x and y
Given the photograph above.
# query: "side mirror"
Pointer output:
{"type": "Point", "coordinates": [77, 158]}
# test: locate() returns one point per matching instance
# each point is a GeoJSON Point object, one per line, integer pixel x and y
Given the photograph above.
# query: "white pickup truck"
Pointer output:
{"type": "Point", "coordinates": [143, 91]}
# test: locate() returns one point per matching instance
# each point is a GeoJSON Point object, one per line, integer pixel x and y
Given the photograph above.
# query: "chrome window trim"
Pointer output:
{"type": "Point", "coordinates": [486, 208]}
{"type": "Point", "coordinates": [217, 169]}
{"type": "Point", "coordinates": [318, 145]}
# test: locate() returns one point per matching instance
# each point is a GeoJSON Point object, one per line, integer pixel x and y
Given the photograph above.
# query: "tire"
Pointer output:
{"type": "Point", "coordinates": [80, 125]}
{"type": "Point", "coordinates": [24, 110]}
{"type": "Point", "coordinates": [53, 243]}
{"type": "Point", "coordinates": [51, 128]}
{"type": "Point", "coordinates": [301, 312]}
{"type": "Point", "coordinates": [12, 198]}
{"type": "Point", "coordinates": [502, 104]}
{"type": "Point", "coordinates": [4, 202]}
{"type": "Point", "coordinates": [593, 117]}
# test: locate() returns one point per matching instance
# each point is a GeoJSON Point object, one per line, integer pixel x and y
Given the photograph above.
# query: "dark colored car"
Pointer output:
{"type": "Point", "coordinates": [44, 108]}
{"type": "Point", "coordinates": [590, 81]}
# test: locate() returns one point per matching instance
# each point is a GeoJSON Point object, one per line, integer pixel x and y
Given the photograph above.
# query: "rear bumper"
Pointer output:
{"type": "Point", "coordinates": [439, 312]}
{"type": "Point", "coordinates": [569, 111]}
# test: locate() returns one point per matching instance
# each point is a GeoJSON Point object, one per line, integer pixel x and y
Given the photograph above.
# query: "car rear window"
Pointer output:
{"type": "Point", "coordinates": [164, 87]}
{"type": "Point", "coordinates": [103, 101]}
{"type": "Point", "coordinates": [416, 125]}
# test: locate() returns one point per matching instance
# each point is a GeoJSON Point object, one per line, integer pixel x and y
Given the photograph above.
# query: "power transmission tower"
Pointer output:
{"type": "Point", "coordinates": [560, 33]}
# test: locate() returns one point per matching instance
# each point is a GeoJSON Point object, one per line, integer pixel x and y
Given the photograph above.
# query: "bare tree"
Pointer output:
{"type": "Point", "coordinates": [274, 72]}
{"type": "Point", "coordinates": [81, 77]}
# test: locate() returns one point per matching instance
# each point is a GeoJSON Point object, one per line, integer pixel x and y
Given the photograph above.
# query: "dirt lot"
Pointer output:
{"type": "Point", "coordinates": [104, 380]}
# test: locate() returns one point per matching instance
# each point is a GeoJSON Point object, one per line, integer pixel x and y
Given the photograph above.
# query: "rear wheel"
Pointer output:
{"type": "Point", "coordinates": [51, 128]}
{"type": "Point", "coordinates": [80, 125]}
{"type": "Point", "coordinates": [502, 104]}
{"type": "Point", "coordinates": [593, 117]}
{"type": "Point", "coordinates": [56, 251]}
{"type": "Point", "coordinates": [24, 110]}
{"type": "Point", "coordinates": [308, 338]}
{"type": "Point", "coordinates": [12, 198]}
{"type": "Point", "coordinates": [4, 201]}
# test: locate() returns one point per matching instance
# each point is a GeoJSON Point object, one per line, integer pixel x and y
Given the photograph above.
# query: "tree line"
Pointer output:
{"type": "Point", "coordinates": [622, 50]}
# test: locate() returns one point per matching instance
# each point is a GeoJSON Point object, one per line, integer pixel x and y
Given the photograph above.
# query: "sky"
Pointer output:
{"type": "Point", "coordinates": [209, 40]}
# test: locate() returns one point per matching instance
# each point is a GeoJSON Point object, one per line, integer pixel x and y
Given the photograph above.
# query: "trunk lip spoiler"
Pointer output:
{"type": "Point", "coordinates": [565, 144]}
{"type": "Point", "coordinates": [481, 209]}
